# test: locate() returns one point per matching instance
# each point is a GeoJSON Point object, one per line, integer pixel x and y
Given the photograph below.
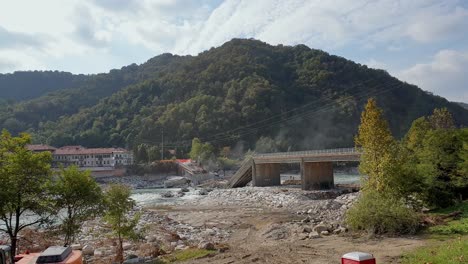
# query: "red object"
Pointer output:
{"type": "Point", "coordinates": [358, 258]}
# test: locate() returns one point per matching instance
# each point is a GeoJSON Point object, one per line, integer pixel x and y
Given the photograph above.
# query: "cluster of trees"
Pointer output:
{"type": "Point", "coordinates": [32, 196]}
{"type": "Point", "coordinates": [206, 155]}
{"type": "Point", "coordinates": [428, 167]}
{"type": "Point", "coordinates": [246, 89]}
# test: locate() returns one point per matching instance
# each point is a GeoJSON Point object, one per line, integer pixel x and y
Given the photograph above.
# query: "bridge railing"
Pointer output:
{"type": "Point", "coordinates": [309, 152]}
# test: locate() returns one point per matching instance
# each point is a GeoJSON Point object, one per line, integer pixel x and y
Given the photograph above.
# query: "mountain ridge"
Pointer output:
{"type": "Point", "coordinates": [299, 97]}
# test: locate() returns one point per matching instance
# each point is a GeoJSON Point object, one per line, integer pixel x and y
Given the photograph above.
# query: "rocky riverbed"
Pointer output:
{"type": "Point", "coordinates": [215, 218]}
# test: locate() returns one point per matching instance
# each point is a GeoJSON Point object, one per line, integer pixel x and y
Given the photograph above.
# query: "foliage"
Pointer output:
{"type": "Point", "coordinates": [241, 91]}
{"type": "Point", "coordinates": [379, 213]}
{"type": "Point", "coordinates": [24, 85]}
{"type": "Point", "coordinates": [441, 119]}
{"type": "Point", "coordinates": [438, 161]}
{"type": "Point", "coordinates": [382, 161]}
{"type": "Point", "coordinates": [201, 152]}
{"type": "Point", "coordinates": [463, 166]}
{"type": "Point", "coordinates": [24, 176]}
{"type": "Point", "coordinates": [79, 195]}
{"type": "Point", "coordinates": [437, 157]}
{"type": "Point", "coordinates": [118, 205]}
{"type": "Point", "coordinates": [452, 251]}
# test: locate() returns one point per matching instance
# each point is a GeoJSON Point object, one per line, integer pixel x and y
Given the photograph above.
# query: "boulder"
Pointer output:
{"type": "Point", "coordinates": [320, 228]}
{"type": "Point", "coordinates": [132, 260]}
{"type": "Point", "coordinates": [306, 229]}
{"type": "Point", "coordinates": [206, 245]}
{"type": "Point", "coordinates": [303, 236]}
{"type": "Point", "coordinates": [98, 253]}
{"type": "Point", "coordinates": [324, 233]}
{"type": "Point", "coordinates": [126, 246]}
{"type": "Point", "coordinates": [314, 234]}
{"type": "Point", "coordinates": [202, 192]}
{"type": "Point", "coordinates": [167, 195]}
{"type": "Point", "coordinates": [76, 246]}
{"type": "Point", "coordinates": [184, 189]}
{"type": "Point", "coordinates": [181, 247]}
{"type": "Point", "coordinates": [88, 250]}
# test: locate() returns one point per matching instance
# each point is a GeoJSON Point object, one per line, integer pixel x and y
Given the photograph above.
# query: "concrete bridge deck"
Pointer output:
{"type": "Point", "coordinates": [316, 167]}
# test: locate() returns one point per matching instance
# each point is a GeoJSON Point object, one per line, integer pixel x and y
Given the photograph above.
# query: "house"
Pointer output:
{"type": "Point", "coordinates": [100, 161]}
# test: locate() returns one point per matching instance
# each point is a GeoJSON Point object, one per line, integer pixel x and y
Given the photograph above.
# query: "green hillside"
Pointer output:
{"type": "Point", "coordinates": [25, 85]}
{"type": "Point", "coordinates": [295, 97]}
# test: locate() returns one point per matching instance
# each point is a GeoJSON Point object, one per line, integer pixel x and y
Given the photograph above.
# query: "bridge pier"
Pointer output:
{"type": "Point", "coordinates": [267, 174]}
{"type": "Point", "coordinates": [317, 175]}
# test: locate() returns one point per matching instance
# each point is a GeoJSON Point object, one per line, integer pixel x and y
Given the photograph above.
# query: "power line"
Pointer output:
{"type": "Point", "coordinates": [224, 137]}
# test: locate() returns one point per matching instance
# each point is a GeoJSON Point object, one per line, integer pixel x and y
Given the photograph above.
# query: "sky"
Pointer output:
{"type": "Point", "coordinates": [423, 42]}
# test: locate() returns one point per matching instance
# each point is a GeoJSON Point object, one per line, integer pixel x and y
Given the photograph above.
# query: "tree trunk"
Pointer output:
{"type": "Point", "coordinates": [119, 254]}
{"type": "Point", "coordinates": [14, 243]}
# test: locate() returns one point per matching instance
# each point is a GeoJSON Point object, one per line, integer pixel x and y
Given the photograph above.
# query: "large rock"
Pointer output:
{"type": "Point", "coordinates": [167, 195]}
{"type": "Point", "coordinates": [76, 246]}
{"type": "Point", "coordinates": [88, 250]}
{"type": "Point", "coordinates": [206, 245]}
{"type": "Point", "coordinates": [314, 234]}
{"type": "Point", "coordinates": [126, 246]}
{"type": "Point", "coordinates": [175, 182]}
{"type": "Point", "coordinates": [98, 253]}
{"type": "Point", "coordinates": [203, 192]}
{"type": "Point", "coordinates": [320, 228]}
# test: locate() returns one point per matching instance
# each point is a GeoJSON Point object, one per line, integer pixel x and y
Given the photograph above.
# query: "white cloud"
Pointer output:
{"type": "Point", "coordinates": [445, 75]}
{"type": "Point", "coordinates": [17, 60]}
{"type": "Point", "coordinates": [373, 63]}
{"type": "Point", "coordinates": [435, 23]}
{"type": "Point", "coordinates": [50, 32]}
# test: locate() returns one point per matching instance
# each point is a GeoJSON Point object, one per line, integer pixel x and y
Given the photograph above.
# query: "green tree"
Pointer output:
{"type": "Point", "coordinates": [379, 149]}
{"type": "Point", "coordinates": [438, 161]}
{"type": "Point", "coordinates": [118, 206]}
{"type": "Point", "coordinates": [441, 118]}
{"type": "Point", "coordinates": [142, 154]}
{"type": "Point", "coordinates": [201, 152]}
{"type": "Point", "coordinates": [24, 178]}
{"type": "Point", "coordinates": [413, 140]}
{"type": "Point", "coordinates": [436, 158]}
{"type": "Point", "coordinates": [464, 152]}
{"type": "Point", "coordinates": [80, 196]}
{"type": "Point", "coordinates": [196, 149]}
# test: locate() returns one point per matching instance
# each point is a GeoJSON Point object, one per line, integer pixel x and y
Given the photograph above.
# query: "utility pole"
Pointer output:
{"type": "Point", "coordinates": [162, 143]}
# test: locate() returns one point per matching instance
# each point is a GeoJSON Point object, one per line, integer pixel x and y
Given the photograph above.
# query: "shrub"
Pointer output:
{"type": "Point", "coordinates": [378, 214]}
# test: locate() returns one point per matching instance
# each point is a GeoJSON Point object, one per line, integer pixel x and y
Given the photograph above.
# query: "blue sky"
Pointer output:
{"type": "Point", "coordinates": [424, 42]}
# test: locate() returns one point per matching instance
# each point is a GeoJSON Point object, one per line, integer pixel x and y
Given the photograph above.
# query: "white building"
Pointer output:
{"type": "Point", "coordinates": [86, 157]}
{"type": "Point", "coordinates": [92, 157]}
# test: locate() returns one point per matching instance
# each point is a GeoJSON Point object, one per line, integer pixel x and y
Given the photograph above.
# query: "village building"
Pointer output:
{"type": "Point", "coordinates": [100, 161]}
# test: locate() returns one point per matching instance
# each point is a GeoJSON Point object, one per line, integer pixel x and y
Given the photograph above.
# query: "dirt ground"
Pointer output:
{"type": "Point", "coordinates": [249, 244]}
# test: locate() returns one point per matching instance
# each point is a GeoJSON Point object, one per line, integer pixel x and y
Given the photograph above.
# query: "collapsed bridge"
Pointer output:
{"type": "Point", "coordinates": [316, 167]}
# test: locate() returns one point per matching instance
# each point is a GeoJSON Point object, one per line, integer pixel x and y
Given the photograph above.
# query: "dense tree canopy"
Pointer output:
{"type": "Point", "coordinates": [24, 192]}
{"type": "Point", "coordinates": [299, 97]}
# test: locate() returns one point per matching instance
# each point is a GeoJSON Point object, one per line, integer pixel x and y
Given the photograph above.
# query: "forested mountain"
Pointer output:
{"type": "Point", "coordinates": [464, 105]}
{"type": "Point", "coordinates": [24, 85]}
{"type": "Point", "coordinates": [293, 97]}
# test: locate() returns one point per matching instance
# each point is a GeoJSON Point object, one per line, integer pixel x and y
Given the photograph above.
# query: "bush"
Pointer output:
{"type": "Point", "coordinates": [378, 214]}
